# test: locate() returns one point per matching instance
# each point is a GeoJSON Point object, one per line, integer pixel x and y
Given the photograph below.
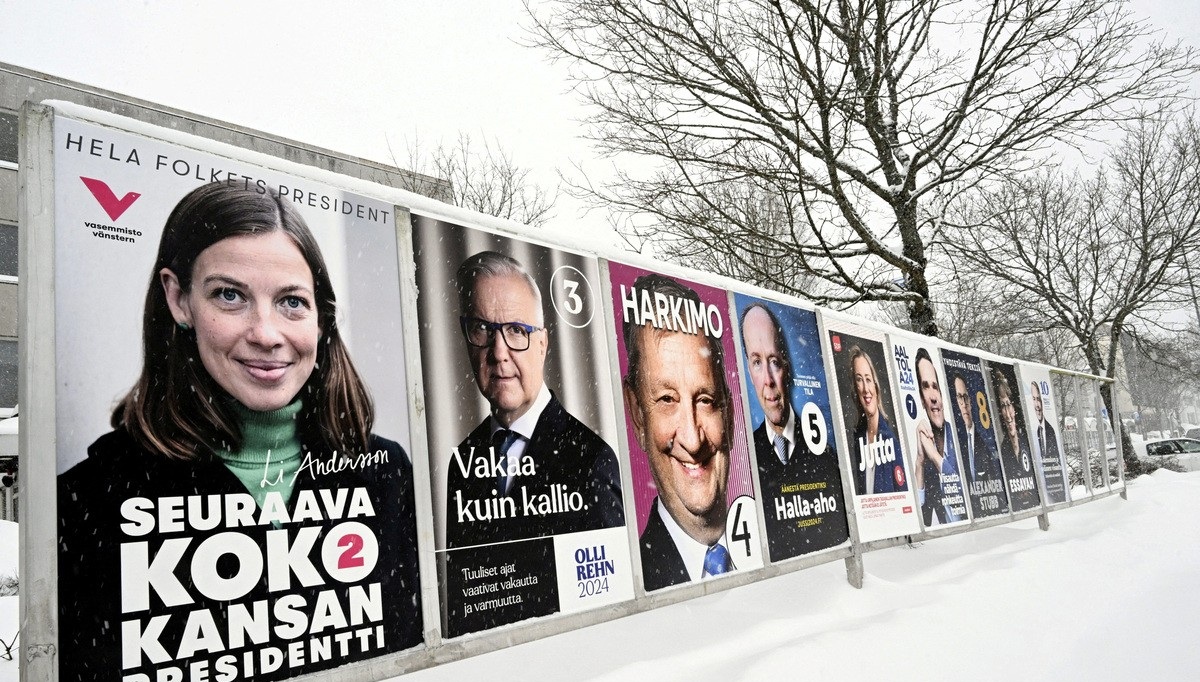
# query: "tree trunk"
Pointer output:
{"type": "Point", "coordinates": [1133, 465]}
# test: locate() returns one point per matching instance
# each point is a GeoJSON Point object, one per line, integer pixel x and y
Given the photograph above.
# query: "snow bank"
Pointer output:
{"type": "Point", "coordinates": [1107, 594]}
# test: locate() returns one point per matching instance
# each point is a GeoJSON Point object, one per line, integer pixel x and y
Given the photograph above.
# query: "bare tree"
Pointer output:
{"type": "Point", "coordinates": [853, 122]}
{"type": "Point", "coordinates": [1161, 370]}
{"type": "Point", "coordinates": [1089, 256]}
{"type": "Point", "coordinates": [486, 180]}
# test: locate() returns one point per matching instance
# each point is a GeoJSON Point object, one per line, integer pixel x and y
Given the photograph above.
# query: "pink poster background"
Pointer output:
{"type": "Point", "coordinates": [644, 490]}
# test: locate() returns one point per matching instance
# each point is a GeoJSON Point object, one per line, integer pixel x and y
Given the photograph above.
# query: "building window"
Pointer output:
{"type": "Point", "coordinates": [8, 137]}
{"type": "Point", "coordinates": [8, 250]}
{"type": "Point", "coordinates": [8, 373]}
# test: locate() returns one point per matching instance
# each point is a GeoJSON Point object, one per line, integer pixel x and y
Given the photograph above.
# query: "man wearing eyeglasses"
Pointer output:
{"type": "Point", "coordinates": [984, 475]}
{"type": "Point", "coordinates": [530, 469]}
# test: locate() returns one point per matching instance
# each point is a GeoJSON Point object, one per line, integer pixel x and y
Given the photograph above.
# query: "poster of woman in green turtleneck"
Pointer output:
{"type": "Point", "coordinates": [242, 516]}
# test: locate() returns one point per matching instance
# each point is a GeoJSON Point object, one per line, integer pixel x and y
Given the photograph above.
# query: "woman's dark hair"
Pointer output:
{"type": "Point", "coordinates": [1001, 383]}
{"type": "Point", "coordinates": [176, 408]}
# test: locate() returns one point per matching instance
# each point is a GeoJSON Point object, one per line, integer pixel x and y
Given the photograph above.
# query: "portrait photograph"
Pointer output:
{"type": "Point", "coordinates": [524, 468]}
{"type": "Point", "coordinates": [974, 425]}
{"type": "Point", "coordinates": [795, 448]}
{"type": "Point", "coordinates": [884, 502]}
{"type": "Point", "coordinates": [230, 385]}
{"type": "Point", "coordinates": [690, 463]}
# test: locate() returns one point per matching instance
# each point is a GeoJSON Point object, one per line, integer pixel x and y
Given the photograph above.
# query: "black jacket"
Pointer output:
{"type": "Point", "coordinates": [565, 453]}
{"type": "Point", "coordinates": [662, 565]}
{"type": "Point", "coordinates": [130, 524]}
{"type": "Point", "coordinates": [807, 479]}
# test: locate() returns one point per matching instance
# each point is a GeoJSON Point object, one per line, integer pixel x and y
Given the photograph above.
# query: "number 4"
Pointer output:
{"type": "Point", "coordinates": [741, 529]}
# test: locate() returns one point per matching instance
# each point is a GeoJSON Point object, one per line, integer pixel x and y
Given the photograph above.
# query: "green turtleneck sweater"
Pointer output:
{"type": "Point", "coordinates": [270, 454]}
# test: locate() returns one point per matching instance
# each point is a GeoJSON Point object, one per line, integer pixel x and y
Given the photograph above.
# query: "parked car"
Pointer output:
{"type": "Point", "coordinates": [1193, 432]}
{"type": "Point", "coordinates": [1185, 450]}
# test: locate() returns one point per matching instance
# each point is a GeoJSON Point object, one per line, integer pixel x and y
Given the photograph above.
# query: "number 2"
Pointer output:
{"type": "Point", "coordinates": [350, 558]}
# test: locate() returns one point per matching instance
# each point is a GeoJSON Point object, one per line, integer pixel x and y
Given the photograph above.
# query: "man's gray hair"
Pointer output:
{"type": "Point", "coordinates": [493, 264]}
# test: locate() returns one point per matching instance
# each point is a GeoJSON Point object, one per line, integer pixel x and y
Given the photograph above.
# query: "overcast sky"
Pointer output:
{"type": "Point", "coordinates": [350, 76]}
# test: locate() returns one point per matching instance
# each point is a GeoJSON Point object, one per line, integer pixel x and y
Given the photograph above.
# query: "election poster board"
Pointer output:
{"type": "Point", "coordinates": [884, 502]}
{"type": "Point", "coordinates": [527, 501]}
{"type": "Point", "coordinates": [937, 470]}
{"type": "Point", "coordinates": [259, 548]}
{"type": "Point", "coordinates": [1041, 418]}
{"type": "Point", "coordinates": [1101, 449]}
{"type": "Point", "coordinates": [1065, 389]}
{"type": "Point", "coordinates": [795, 449]}
{"type": "Point", "coordinates": [974, 413]}
{"type": "Point", "coordinates": [1112, 456]}
{"type": "Point", "coordinates": [1015, 452]}
{"type": "Point", "coordinates": [690, 464]}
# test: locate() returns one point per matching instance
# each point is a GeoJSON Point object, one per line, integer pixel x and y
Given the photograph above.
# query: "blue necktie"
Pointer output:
{"type": "Point", "coordinates": [781, 449]}
{"type": "Point", "coordinates": [716, 561]}
{"type": "Point", "coordinates": [502, 440]}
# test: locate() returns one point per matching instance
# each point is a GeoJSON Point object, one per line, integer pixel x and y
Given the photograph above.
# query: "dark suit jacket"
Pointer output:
{"type": "Point", "coordinates": [933, 505]}
{"type": "Point", "coordinates": [568, 458]}
{"type": "Point", "coordinates": [987, 468]}
{"type": "Point", "coordinates": [1051, 443]}
{"type": "Point", "coordinates": [935, 495]}
{"type": "Point", "coordinates": [987, 464]}
{"type": "Point", "coordinates": [1052, 465]}
{"type": "Point", "coordinates": [1015, 462]}
{"type": "Point", "coordinates": [786, 537]}
{"type": "Point", "coordinates": [662, 565]}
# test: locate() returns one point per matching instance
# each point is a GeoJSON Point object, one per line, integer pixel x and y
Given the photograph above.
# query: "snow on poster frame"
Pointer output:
{"type": "Point", "coordinates": [39, 528]}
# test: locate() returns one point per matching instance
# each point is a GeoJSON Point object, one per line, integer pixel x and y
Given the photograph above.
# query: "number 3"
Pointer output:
{"type": "Point", "coordinates": [574, 303]}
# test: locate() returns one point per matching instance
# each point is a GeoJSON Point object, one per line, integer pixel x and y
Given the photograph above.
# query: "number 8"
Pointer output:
{"type": "Point", "coordinates": [984, 418]}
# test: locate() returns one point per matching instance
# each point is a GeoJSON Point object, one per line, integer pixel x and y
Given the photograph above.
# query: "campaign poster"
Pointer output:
{"type": "Point", "coordinates": [690, 463]}
{"type": "Point", "coordinates": [235, 494]}
{"type": "Point", "coordinates": [1015, 452]}
{"type": "Point", "coordinates": [973, 416]}
{"type": "Point", "coordinates": [937, 470]}
{"type": "Point", "coordinates": [527, 499]}
{"type": "Point", "coordinates": [884, 502]}
{"type": "Point", "coordinates": [799, 472]}
{"type": "Point", "coordinates": [1041, 415]}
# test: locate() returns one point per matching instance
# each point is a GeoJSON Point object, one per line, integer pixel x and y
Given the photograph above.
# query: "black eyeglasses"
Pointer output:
{"type": "Point", "coordinates": [481, 333]}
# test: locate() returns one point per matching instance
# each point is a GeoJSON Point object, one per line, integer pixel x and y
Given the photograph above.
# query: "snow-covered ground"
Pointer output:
{"type": "Point", "coordinates": [1109, 593]}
